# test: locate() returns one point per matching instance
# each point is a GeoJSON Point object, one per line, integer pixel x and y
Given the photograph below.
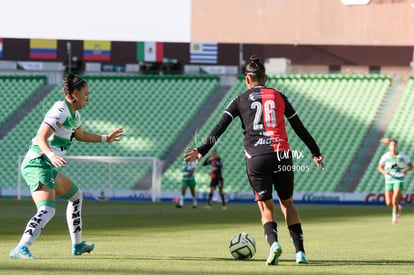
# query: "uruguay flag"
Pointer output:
{"type": "Point", "coordinates": [203, 52]}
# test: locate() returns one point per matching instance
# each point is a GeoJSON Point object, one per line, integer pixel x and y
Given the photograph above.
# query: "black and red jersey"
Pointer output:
{"type": "Point", "coordinates": [262, 111]}
{"type": "Point", "coordinates": [216, 167]}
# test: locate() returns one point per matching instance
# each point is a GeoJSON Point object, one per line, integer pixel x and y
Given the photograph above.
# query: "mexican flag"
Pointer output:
{"type": "Point", "coordinates": [150, 51]}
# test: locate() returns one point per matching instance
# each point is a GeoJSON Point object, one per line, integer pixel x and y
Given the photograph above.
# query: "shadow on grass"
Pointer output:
{"type": "Point", "coordinates": [229, 259]}
{"type": "Point", "coordinates": [356, 262]}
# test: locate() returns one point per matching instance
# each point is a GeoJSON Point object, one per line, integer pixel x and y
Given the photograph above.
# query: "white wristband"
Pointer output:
{"type": "Point", "coordinates": [50, 155]}
{"type": "Point", "coordinates": [104, 138]}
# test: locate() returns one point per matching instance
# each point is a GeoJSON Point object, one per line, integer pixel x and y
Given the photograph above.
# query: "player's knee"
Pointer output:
{"type": "Point", "coordinates": [287, 202]}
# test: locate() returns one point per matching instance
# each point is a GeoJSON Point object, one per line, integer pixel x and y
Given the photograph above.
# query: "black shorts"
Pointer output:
{"type": "Point", "coordinates": [268, 171]}
{"type": "Point", "coordinates": [216, 183]}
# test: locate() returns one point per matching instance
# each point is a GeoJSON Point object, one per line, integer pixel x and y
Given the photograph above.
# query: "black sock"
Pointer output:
{"type": "Point", "coordinates": [222, 199]}
{"type": "Point", "coordinates": [210, 196]}
{"type": "Point", "coordinates": [270, 232]}
{"type": "Point", "coordinates": [296, 234]}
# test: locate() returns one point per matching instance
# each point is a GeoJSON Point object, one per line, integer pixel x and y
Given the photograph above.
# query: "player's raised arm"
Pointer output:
{"type": "Point", "coordinates": [192, 155]}
{"type": "Point", "coordinates": [84, 136]}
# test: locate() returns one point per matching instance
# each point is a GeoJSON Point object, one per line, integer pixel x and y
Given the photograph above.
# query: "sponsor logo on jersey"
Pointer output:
{"type": "Point", "coordinates": [255, 96]}
{"type": "Point", "coordinates": [267, 141]}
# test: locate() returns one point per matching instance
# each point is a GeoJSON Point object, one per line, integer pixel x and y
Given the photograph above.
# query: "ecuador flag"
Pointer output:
{"type": "Point", "coordinates": [94, 50]}
{"type": "Point", "coordinates": [43, 48]}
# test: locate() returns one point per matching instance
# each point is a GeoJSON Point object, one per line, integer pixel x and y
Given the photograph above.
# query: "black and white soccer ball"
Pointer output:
{"type": "Point", "coordinates": [242, 246]}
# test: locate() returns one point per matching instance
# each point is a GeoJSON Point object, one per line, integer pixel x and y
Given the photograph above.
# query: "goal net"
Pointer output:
{"type": "Point", "coordinates": [106, 178]}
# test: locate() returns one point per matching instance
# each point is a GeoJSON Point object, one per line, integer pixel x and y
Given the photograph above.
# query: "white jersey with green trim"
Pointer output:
{"type": "Point", "coordinates": [61, 119]}
{"type": "Point", "coordinates": [188, 169]}
{"type": "Point", "coordinates": [393, 166]}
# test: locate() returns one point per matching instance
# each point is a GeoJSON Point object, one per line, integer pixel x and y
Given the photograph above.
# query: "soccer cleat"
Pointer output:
{"type": "Point", "coordinates": [79, 249]}
{"type": "Point", "coordinates": [301, 258]}
{"type": "Point", "coordinates": [399, 210]}
{"type": "Point", "coordinates": [21, 252]}
{"type": "Point", "coordinates": [394, 222]}
{"type": "Point", "coordinates": [178, 206]}
{"type": "Point", "coordinates": [224, 207]}
{"type": "Point", "coordinates": [274, 254]}
{"type": "Point", "coordinates": [194, 206]}
{"type": "Point", "coordinates": [207, 207]}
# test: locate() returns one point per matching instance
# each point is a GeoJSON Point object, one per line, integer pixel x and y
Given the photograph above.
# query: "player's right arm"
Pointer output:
{"type": "Point", "coordinates": [303, 133]}
{"type": "Point", "coordinates": [229, 114]}
{"type": "Point", "coordinates": [195, 154]}
{"type": "Point", "coordinates": [44, 133]}
{"type": "Point", "coordinates": [381, 166]}
{"type": "Point", "coordinates": [382, 170]}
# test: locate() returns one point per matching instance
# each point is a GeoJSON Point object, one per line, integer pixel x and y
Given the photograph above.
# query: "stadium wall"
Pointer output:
{"type": "Point", "coordinates": [228, 54]}
{"type": "Point", "coordinates": [232, 197]}
{"type": "Point", "coordinates": [303, 22]}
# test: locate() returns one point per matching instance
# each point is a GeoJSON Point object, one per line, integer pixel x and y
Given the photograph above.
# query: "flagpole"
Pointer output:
{"type": "Point", "coordinates": [241, 59]}
{"type": "Point", "coordinates": [69, 52]}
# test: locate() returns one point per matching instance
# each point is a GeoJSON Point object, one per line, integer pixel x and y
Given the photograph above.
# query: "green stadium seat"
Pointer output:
{"type": "Point", "coordinates": [330, 97]}
{"type": "Point", "coordinates": [135, 103]}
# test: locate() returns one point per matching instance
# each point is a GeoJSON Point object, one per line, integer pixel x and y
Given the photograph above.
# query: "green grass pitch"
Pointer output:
{"type": "Point", "coordinates": [157, 238]}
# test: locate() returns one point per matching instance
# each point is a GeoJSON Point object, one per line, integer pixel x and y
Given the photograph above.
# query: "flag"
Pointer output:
{"type": "Point", "coordinates": [43, 48]}
{"type": "Point", "coordinates": [150, 51]}
{"type": "Point", "coordinates": [94, 50]}
{"type": "Point", "coordinates": [203, 52]}
{"type": "Point", "coordinates": [1, 47]}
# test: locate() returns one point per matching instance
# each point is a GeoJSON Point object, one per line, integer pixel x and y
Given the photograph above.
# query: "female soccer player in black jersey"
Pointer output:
{"type": "Point", "coordinates": [267, 153]}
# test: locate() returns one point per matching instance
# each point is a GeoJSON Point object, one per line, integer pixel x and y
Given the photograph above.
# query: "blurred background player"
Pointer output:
{"type": "Point", "coordinates": [394, 165]}
{"type": "Point", "coordinates": [267, 153]}
{"type": "Point", "coordinates": [216, 178]}
{"type": "Point", "coordinates": [60, 126]}
{"type": "Point", "coordinates": [188, 181]}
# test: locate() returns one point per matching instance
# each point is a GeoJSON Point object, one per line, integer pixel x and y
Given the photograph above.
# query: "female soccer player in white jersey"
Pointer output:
{"type": "Point", "coordinates": [60, 126]}
{"type": "Point", "coordinates": [267, 153]}
{"type": "Point", "coordinates": [394, 165]}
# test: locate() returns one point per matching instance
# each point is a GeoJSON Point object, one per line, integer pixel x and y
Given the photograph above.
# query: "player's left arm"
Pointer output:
{"type": "Point", "coordinates": [84, 136]}
{"type": "Point", "coordinates": [303, 133]}
{"type": "Point", "coordinates": [407, 169]}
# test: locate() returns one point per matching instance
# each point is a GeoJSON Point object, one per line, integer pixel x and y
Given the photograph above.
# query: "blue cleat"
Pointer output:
{"type": "Point", "coordinates": [79, 249]}
{"type": "Point", "coordinates": [274, 254]}
{"type": "Point", "coordinates": [21, 252]}
{"type": "Point", "coordinates": [301, 258]}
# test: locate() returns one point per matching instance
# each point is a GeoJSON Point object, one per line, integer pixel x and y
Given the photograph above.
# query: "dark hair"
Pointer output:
{"type": "Point", "coordinates": [72, 82]}
{"type": "Point", "coordinates": [255, 69]}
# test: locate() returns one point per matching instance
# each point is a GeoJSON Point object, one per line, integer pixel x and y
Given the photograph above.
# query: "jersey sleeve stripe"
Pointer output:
{"type": "Point", "coordinates": [292, 116]}
{"type": "Point", "coordinates": [226, 112]}
{"type": "Point", "coordinates": [50, 125]}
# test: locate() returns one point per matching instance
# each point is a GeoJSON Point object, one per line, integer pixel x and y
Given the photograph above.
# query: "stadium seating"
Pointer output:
{"type": "Point", "coordinates": [15, 90]}
{"type": "Point", "coordinates": [153, 110]}
{"type": "Point", "coordinates": [336, 109]}
{"type": "Point", "coordinates": [401, 129]}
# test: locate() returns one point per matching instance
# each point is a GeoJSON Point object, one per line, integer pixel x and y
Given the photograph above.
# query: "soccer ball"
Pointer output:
{"type": "Point", "coordinates": [242, 246]}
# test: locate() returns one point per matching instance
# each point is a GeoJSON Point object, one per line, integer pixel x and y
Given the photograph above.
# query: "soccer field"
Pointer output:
{"type": "Point", "coordinates": [157, 238]}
